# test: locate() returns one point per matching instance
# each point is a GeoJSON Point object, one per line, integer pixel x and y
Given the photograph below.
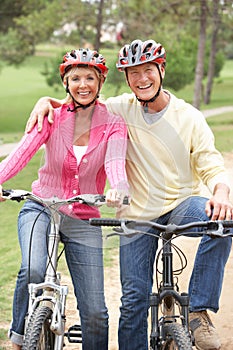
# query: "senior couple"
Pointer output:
{"type": "Point", "coordinates": [151, 146]}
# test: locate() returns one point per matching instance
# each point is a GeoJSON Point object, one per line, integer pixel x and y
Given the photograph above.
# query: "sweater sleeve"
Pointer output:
{"type": "Point", "coordinates": [207, 160]}
{"type": "Point", "coordinates": [22, 154]}
{"type": "Point", "coordinates": [116, 156]}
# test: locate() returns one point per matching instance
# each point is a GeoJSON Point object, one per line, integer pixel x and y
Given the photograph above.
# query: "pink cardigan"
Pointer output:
{"type": "Point", "coordinates": [60, 175]}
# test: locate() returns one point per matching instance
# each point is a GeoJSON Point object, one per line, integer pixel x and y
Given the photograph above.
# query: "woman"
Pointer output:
{"type": "Point", "coordinates": [84, 146]}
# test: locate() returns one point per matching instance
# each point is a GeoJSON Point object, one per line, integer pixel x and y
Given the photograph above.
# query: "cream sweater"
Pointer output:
{"type": "Point", "coordinates": [166, 161]}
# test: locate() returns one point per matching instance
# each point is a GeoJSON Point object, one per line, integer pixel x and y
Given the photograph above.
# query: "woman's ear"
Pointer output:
{"type": "Point", "coordinates": [102, 80]}
{"type": "Point", "coordinates": [65, 84]}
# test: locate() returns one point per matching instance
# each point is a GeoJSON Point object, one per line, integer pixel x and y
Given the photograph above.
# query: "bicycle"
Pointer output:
{"type": "Point", "coordinates": [45, 322]}
{"type": "Point", "coordinates": [170, 328]}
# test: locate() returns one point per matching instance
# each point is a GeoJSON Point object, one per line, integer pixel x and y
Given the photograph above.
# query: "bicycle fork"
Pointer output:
{"type": "Point", "coordinates": [53, 294]}
{"type": "Point", "coordinates": [167, 299]}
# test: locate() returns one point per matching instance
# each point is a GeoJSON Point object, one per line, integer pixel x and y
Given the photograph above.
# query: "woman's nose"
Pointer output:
{"type": "Point", "coordinates": [82, 82]}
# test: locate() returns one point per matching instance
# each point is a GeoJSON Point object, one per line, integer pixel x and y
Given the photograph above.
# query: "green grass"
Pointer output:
{"type": "Point", "coordinates": [222, 127]}
{"type": "Point", "coordinates": [9, 249]}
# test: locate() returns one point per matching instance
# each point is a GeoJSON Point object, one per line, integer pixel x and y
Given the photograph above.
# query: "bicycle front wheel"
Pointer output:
{"type": "Point", "coordinates": [38, 335]}
{"type": "Point", "coordinates": [176, 337]}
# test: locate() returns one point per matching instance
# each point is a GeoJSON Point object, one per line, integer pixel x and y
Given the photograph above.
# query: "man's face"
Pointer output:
{"type": "Point", "coordinates": [144, 80]}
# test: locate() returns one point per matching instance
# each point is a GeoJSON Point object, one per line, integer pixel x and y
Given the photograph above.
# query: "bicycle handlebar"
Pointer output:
{"type": "Point", "coordinates": [89, 199]}
{"type": "Point", "coordinates": [213, 228]}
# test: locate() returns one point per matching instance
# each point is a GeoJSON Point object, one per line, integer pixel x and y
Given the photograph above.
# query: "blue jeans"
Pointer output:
{"type": "Point", "coordinates": [137, 257]}
{"type": "Point", "coordinates": [84, 256]}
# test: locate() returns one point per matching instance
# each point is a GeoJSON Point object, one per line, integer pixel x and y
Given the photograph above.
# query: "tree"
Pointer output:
{"type": "Point", "coordinates": [216, 22]}
{"type": "Point", "coordinates": [99, 25]}
{"type": "Point", "coordinates": [37, 23]}
{"type": "Point", "coordinates": [24, 31]}
{"type": "Point", "coordinates": [199, 73]}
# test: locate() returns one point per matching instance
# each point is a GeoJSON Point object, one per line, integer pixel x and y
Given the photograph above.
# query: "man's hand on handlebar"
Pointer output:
{"type": "Point", "coordinates": [219, 207]}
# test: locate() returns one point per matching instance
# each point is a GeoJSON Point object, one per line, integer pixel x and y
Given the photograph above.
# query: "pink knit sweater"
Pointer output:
{"type": "Point", "coordinates": [60, 175]}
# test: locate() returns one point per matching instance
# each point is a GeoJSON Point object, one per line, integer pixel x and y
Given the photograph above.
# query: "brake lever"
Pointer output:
{"type": "Point", "coordinates": [123, 231]}
{"type": "Point", "coordinates": [216, 233]}
{"type": "Point", "coordinates": [90, 199]}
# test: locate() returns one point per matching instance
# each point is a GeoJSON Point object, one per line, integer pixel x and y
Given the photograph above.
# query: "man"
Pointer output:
{"type": "Point", "coordinates": [170, 151]}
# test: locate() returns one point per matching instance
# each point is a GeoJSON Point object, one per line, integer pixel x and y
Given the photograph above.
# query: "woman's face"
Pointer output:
{"type": "Point", "coordinates": [84, 84]}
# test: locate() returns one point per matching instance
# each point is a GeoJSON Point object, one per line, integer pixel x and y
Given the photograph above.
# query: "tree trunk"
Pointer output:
{"type": "Point", "coordinates": [99, 25]}
{"type": "Point", "coordinates": [213, 51]}
{"type": "Point", "coordinates": [200, 55]}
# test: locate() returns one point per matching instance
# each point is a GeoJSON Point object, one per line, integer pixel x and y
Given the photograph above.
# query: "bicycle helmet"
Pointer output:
{"type": "Point", "coordinates": [83, 56]}
{"type": "Point", "coordinates": [139, 52]}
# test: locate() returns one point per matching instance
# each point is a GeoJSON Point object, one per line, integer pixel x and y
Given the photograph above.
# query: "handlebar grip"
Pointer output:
{"type": "Point", "coordinates": [6, 193]}
{"type": "Point", "coordinates": [104, 222]}
{"type": "Point", "coordinates": [228, 223]}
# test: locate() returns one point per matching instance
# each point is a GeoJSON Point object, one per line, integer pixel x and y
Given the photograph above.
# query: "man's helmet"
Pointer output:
{"type": "Point", "coordinates": [139, 52]}
{"type": "Point", "coordinates": [83, 56]}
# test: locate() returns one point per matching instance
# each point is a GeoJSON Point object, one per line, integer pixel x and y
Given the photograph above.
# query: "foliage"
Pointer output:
{"type": "Point", "coordinates": [51, 72]}
{"type": "Point", "coordinates": [18, 41]}
{"type": "Point", "coordinates": [181, 62]}
{"type": "Point", "coordinates": [115, 78]}
{"type": "Point", "coordinates": [169, 22]}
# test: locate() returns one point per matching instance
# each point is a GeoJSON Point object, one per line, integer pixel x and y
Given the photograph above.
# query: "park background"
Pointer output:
{"type": "Point", "coordinates": [34, 35]}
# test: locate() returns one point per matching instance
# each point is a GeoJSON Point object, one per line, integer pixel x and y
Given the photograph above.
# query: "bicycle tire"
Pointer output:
{"type": "Point", "coordinates": [177, 337]}
{"type": "Point", "coordinates": [38, 335]}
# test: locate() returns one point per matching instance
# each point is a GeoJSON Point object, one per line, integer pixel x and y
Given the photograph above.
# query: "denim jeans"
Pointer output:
{"type": "Point", "coordinates": [137, 257]}
{"type": "Point", "coordinates": [84, 256]}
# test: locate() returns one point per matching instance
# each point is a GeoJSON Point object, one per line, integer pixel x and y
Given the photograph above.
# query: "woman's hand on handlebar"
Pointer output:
{"type": "Point", "coordinates": [114, 198]}
{"type": "Point", "coordinates": [1, 199]}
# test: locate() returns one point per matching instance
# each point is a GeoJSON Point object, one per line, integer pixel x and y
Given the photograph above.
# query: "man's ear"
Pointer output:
{"type": "Point", "coordinates": [162, 70]}
{"type": "Point", "coordinates": [102, 80]}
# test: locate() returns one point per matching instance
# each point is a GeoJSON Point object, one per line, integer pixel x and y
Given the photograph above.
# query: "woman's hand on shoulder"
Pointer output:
{"type": "Point", "coordinates": [115, 198]}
